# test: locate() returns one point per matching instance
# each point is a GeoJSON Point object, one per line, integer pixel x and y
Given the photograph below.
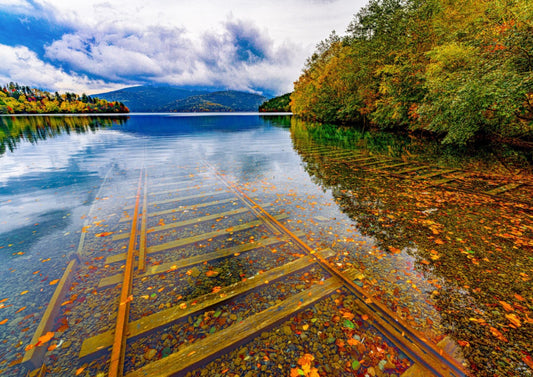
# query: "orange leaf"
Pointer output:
{"type": "Point", "coordinates": [79, 370]}
{"type": "Point", "coordinates": [104, 234]}
{"type": "Point", "coordinates": [498, 334]}
{"type": "Point", "coordinates": [364, 317]}
{"type": "Point", "coordinates": [4, 300]}
{"type": "Point", "coordinates": [513, 318]}
{"type": "Point", "coordinates": [216, 289]}
{"type": "Point", "coordinates": [506, 306]}
{"type": "Point", "coordinates": [21, 309]}
{"type": "Point", "coordinates": [348, 315]}
{"type": "Point", "coordinates": [4, 321]}
{"type": "Point", "coordinates": [54, 282]}
{"type": "Point", "coordinates": [52, 347]}
{"type": "Point", "coordinates": [46, 337]}
{"type": "Point", "coordinates": [23, 292]}
{"type": "Point", "coordinates": [29, 347]}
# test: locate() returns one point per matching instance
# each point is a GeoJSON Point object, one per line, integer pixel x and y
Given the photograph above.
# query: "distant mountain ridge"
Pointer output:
{"type": "Point", "coordinates": [175, 99]}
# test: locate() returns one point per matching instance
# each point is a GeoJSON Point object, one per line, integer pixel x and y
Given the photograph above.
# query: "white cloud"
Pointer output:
{"type": "Point", "coordinates": [238, 56]}
{"type": "Point", "coordinates": [22, 65]}
{"type": "Point", "coordinates": [186, 42]}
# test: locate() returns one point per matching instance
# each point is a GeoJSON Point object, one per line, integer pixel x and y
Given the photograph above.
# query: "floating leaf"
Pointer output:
{"type": "Point", "coordinates": [53, 282]}
{"type": "Point", "coordinates": [4, 321]}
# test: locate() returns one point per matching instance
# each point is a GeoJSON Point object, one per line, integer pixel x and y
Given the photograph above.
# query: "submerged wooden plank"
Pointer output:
{"type": "Point", "coordinates": [360, 159]}
{"type": "Point", "coordinates": [185, 241]}
{"type": "Point", "coordinates": [435, 174]}
{"type": "Point", "coordinates": [35, 356]}
{"type": "Point", "coordinates": [375, 163]}
{"type": "Point", "coordinates": [197, 259]}
{"type": "Point", "coordinates": [233, 335]}
{"type": "Point", "coordinates": [197, 220]}
{"type": "Point", "coordinates": [395, 165]}
{"type": "Point", "coordinates": [175, 190]}
{"type": "Point", "coordinates": [164, 317]}
{"type": "Point", "coordinates": [502, 189]}
{"type": "Point", "coordinates": [416, 168]}
{"type": "Point", "coordinates": [188, 197]}
{"type": "Point", "coordinates": [185, 208]}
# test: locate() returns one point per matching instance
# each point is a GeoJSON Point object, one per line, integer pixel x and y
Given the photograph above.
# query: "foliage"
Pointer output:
{"type": "Point", "coordinates": [460, 70]}
{"type": "Point", "coordinates": [280, 104]}
{"type": "Point", "coordinates": [16, 99]}
{"type": "Point", "coordinates": [222, 101]}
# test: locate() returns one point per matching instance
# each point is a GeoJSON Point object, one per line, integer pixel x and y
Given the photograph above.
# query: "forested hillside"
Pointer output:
{"type": "Point", "coordinates": [221, 101]}
{"type": "Point", "coordinates": [17, 99]}
{"type": "Point", "coordinates": [458, 69]}
{"type": "Point", "coordinates": [277, 104]}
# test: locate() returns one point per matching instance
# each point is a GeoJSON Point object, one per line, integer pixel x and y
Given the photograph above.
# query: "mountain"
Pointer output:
{"type": "Point", "coordinates": [175, 99]}
{"type": "Point", "coordinates": [223, 101]}
{"type": "Point", "coordinates": [148, 98]}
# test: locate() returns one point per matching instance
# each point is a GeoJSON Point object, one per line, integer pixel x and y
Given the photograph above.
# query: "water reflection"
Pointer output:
{"type": "Point", "coordinates": [14, 129]}
{"type": "Point", "coordinates": [474, 250]}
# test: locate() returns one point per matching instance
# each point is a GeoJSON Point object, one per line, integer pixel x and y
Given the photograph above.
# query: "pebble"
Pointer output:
{"type": "Point", "coordinates": [150, 354]}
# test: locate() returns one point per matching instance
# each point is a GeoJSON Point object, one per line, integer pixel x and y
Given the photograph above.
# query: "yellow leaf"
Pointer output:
{"type": "Point", "coordinates": [513, 318]}
{"type": "Point", "coordinates": [23, 292]}
{"type": "Point", "coordinates": [506, 306]}
{"type": "Point", "coordinates": [53, 282]}
{"type": "Point", "coordinates": [305, 327]}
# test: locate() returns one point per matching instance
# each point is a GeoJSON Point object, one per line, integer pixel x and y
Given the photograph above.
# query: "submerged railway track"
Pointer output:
{"type": "Point", "coordinates": [179, 265]}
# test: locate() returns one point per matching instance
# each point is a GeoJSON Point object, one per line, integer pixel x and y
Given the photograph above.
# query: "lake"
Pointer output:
{"type": "Point", "coordinates": [244, 244]}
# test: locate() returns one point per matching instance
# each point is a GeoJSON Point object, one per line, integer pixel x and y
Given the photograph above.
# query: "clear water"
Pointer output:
{"type": "Point", "coordinates": [68, 186]}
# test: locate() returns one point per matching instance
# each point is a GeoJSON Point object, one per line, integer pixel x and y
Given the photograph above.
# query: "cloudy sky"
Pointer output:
{"type": "Point", "coordinates": [96, 46]}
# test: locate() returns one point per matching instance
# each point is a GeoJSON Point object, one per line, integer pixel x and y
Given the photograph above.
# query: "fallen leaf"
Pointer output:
{"type": "Point", "coordinates": [506, 306]}
{"type": "Point", "coordinates": [54, 282]}
{"type": "Point", "coordinates": [498, 334]}
{"type": "Point", "coordinates": [46, 337]}
{"type": "Point", "coordinates": [79, 370]}
{"type": "Point", "coordinates": [104, 234]}
{"type": "Point", "coordinates": [4, 321]}
{"type": "Point", "coordinates": [513, 318]}
{"type": "Point", "coordinates": [23, 292]}
{"type": "Point", "coordinates": [21, 309]}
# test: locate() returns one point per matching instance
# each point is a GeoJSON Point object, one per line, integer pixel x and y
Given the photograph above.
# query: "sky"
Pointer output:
{"type": "Point", "coordinates": [98, 46]}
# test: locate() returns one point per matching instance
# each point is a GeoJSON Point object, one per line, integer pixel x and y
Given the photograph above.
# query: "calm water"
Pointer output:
{"type": "Point", "coordinates": [454, 266]}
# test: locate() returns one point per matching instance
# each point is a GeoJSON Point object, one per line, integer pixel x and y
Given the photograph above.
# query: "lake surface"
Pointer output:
{"type": "Point", "coordinates": [198, 207]}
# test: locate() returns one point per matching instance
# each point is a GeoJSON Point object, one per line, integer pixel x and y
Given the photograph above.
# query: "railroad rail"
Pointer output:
{"type": "Point", "coordinates": [517, 191]}
{"type": "Point", "coordinates": [174, 237]}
